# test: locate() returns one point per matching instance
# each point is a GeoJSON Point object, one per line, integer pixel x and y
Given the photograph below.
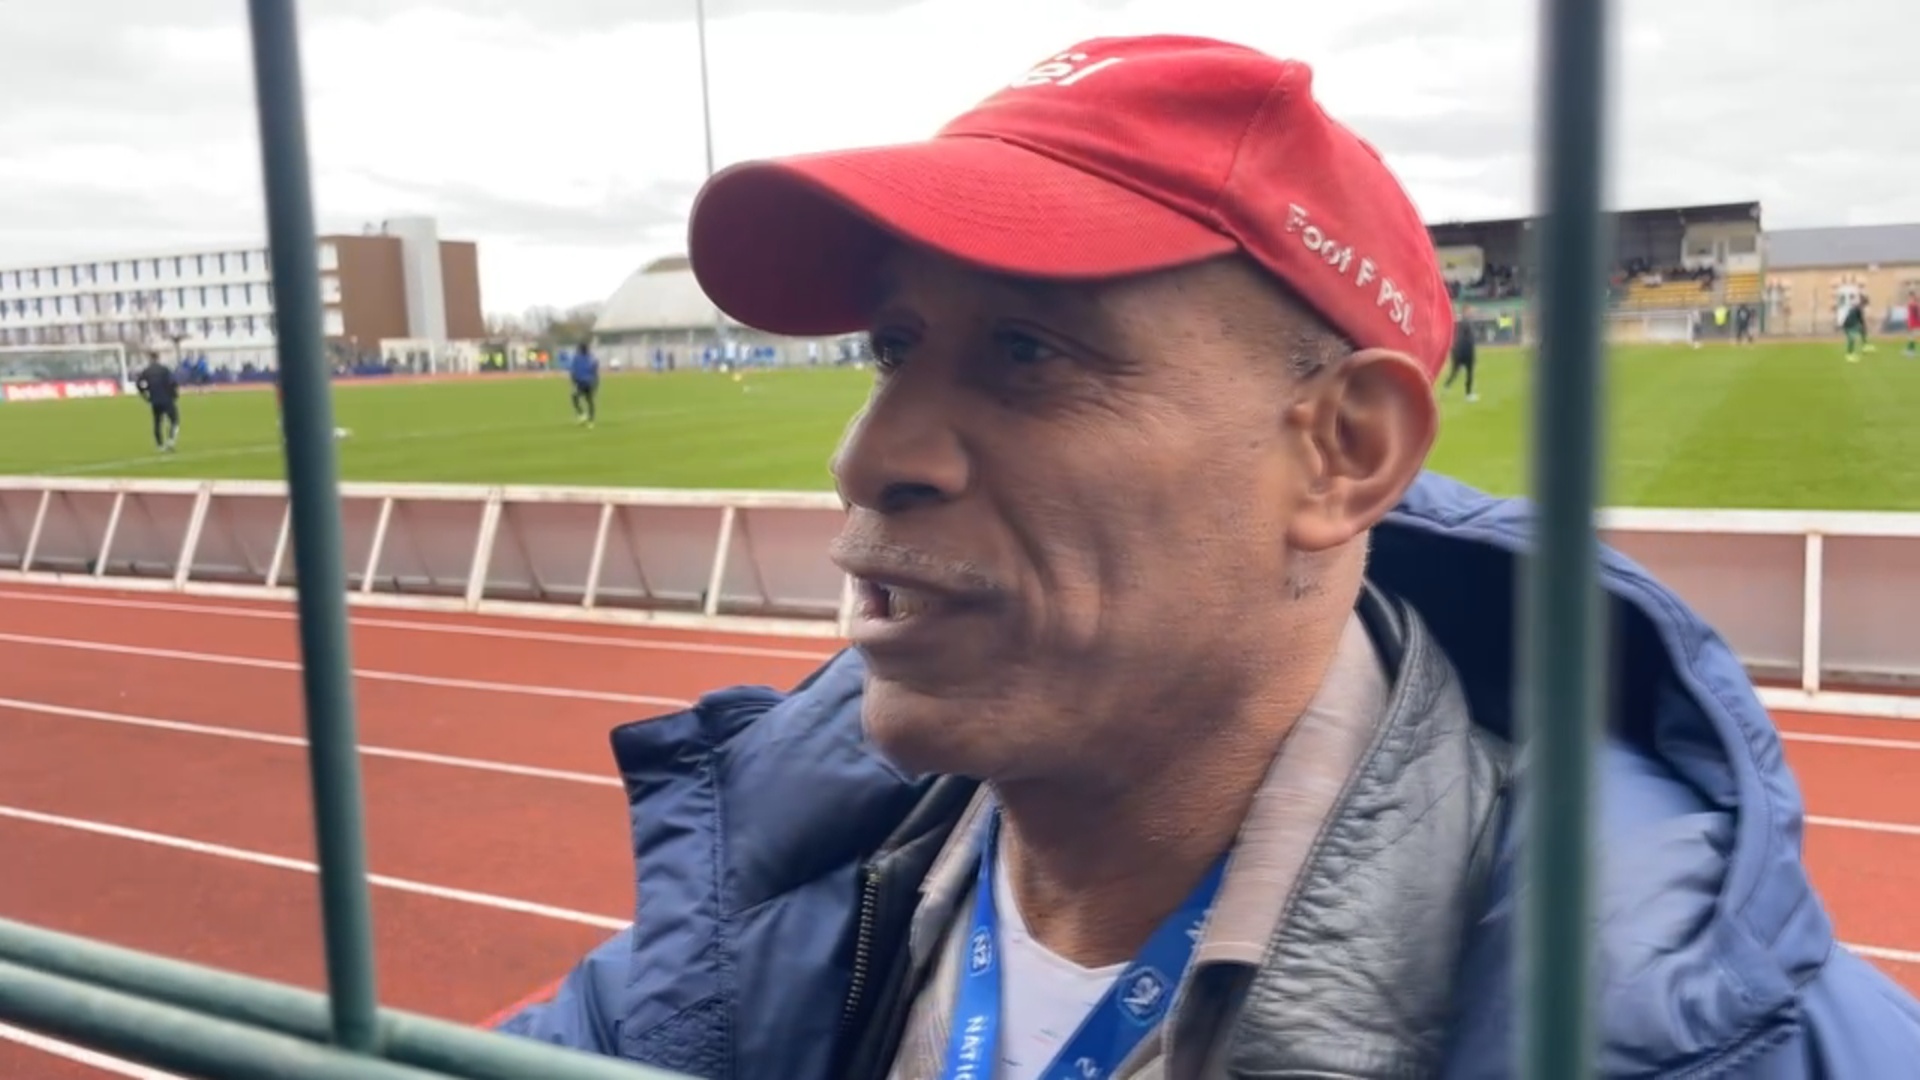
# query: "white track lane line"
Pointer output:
{"type": "Point", "coordinates": [80, 1055]}
{"type": "Point", "coordinates": [240, 734]}
{"type": "Point", "coordinates": [650, 644]}
{"type": "Point", "coordinates": [465, 896]}
{"type": "Point", "coordinates": [1892, 828]}
{"type": "Point", "coordinates": [260, 858]}
{"type": "Point", "coordinates": [1850, 740]}
{"type": "Point", "coordinates": [362, 673]}
{"type": "Point", "coordinates": [1897, 956]}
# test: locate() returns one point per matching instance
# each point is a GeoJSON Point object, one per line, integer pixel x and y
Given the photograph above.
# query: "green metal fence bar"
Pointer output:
{"type": "Point", "coordinates": [314, 503]}
{"type": "Point", "coordinates": [402, 1037]}
{"type": "Point", "coordinates": [178, 1039]}
{"type": "Point", "coordinates": [1561, 696]}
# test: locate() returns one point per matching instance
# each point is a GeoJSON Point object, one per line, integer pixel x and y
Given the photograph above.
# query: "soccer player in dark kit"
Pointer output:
{"type": "Point", "coordinates": [1461, 359]}
{"type": "Point", "coordinates": [162, 394]}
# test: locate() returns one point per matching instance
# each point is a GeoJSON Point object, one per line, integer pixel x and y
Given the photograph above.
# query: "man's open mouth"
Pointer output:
{"type": "Point", "coordinates": [895, 603]}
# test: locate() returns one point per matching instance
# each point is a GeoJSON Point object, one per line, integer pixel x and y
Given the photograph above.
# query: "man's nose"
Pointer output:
{"type": "Point", "coordinates": [902, 451]}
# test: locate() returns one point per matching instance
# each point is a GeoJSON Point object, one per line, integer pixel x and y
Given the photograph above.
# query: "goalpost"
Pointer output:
{"type": "Point", "coordinates": [66, 363]}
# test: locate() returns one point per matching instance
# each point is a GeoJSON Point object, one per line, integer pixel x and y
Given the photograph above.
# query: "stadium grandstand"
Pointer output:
{"type": "Point", "coordinates": [659, 319]}
{"type": "Point", "coordinates": [1680, 274]}
{"type": "Point", "coordinates": [1678, 271]}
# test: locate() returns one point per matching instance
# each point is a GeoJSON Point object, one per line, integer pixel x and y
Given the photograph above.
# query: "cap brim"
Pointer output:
{"type": "Point", "coordinates": [795, 246]}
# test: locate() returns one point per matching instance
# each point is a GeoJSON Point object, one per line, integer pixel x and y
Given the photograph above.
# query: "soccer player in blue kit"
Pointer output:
{"type": "Point", "coordinates": [586, 383]}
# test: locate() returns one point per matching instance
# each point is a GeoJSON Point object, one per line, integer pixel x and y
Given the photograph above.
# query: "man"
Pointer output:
{"type": "Point", "coordinates": [1743, 325]}
{"type": "Point", "coordinates": [1461, 358]}
{"type": "Point", "coordinates": [1913, 320]}
{"type": "Point", "coordinates": [1854, 324]}
{"type": "Point", "coordinates": [161, 391]}
{"type": "Point", "coordinates": [585, 371]}
{"type": "Point", "coordinates": [1176, 738]}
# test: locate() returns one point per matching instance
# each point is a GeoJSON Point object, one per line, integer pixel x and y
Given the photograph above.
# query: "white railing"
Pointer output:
{"type": "Point", "coordinates": [753, 561]}
{"type": "Point", "coordinates": [1820, 606]}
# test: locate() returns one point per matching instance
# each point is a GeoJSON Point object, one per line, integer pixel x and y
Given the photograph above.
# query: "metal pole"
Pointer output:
{"type": "Point", "coordinates": [706, 127]}
{"type": "Point", "coordinates": [706, 102]}
{"type": "Point", "coordinates": [314, 503]}
{"type": "Point", "coordinates": [1562, 695]}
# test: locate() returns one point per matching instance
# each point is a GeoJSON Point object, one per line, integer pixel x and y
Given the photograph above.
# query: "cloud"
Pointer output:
{"type": "Point", "coordinates": [565, 136]}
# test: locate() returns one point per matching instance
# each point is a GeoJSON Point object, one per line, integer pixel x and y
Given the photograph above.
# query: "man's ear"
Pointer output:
{"type": "Point", "coordinates": [1366, 425]}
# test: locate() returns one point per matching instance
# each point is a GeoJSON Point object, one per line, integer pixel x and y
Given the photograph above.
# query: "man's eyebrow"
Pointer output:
{"type": "Point", "coordinates": [1047, 298]}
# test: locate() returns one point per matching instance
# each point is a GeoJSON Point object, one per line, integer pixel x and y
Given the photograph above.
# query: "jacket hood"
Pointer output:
{"type": "Point", "coordinates": [1709, 923]}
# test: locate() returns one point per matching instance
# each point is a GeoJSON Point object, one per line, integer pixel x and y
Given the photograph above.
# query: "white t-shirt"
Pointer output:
{"type": "Point", "coordinates": [1044, 996]}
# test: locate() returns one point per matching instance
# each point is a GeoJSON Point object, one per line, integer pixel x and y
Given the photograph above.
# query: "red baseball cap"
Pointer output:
{"type": "Point", "coordinates": [1115, 157]}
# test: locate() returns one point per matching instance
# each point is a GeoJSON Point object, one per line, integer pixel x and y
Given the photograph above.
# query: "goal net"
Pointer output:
{"type": "Point", "coordinates": [1652, 328]}
{"type": "Point", "coordinates": [64, 363]}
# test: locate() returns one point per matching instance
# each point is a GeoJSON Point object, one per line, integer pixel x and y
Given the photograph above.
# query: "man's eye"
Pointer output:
{"type": "Point", "coordinates": [887, 352]}
{"type": "Point", "coordinates": [1024, 348]}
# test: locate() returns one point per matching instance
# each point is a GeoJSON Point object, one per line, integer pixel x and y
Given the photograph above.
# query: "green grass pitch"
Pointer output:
{"type": "Point", "coordinates": [1774, 426]}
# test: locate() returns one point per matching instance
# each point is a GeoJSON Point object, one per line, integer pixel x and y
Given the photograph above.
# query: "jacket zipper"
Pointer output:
{"type": "Point", "coordinates": [863, 948]}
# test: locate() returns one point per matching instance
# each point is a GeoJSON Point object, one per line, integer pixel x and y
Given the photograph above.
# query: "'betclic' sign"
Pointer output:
{"type": "Point", "coordinates": [65, 390]}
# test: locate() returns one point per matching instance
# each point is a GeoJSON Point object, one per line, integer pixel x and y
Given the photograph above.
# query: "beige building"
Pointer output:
{"type": "Point", "coordinates": [1813, 273]}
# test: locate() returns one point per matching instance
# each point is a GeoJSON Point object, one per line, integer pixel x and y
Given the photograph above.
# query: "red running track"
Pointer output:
{"type": "Point", "coordinates": [155, 787]}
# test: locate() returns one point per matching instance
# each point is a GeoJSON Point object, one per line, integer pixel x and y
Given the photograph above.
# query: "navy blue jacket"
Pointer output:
{"type": "Point", "coordinates": [584, 368]}
{"type": "Point", "coordinates": [752, 812]}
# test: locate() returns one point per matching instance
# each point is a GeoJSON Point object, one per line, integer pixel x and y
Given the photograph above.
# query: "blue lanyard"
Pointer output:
{"type": "Point", "coordinates": [1132, 1007]}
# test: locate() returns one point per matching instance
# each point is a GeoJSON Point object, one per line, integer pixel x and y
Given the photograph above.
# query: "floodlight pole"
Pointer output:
{"type": "Point", "coordinates": [706, 102]}
{"type": "Point", "coordinates": [706, 128]}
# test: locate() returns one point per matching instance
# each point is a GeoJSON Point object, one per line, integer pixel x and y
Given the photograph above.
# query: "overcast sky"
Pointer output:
{"type": "Point", "coordinates": [564, 135]}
